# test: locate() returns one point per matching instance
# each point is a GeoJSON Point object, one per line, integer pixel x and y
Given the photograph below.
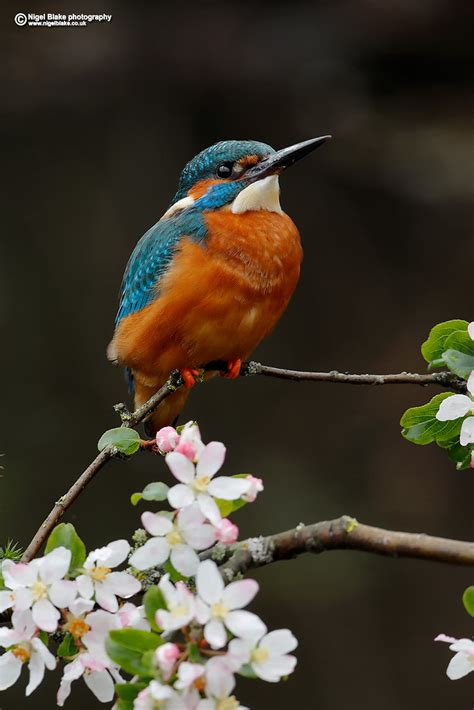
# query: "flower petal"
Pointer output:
{"type": "Point", "coordinates": [211, 459]}
{"type": "Point", "coordinates": [470, 330]}
{"type": "Point", "coordinates": [470, 384]}
{"type": "Point", "coordinates": [239, 594]}
{"type": "Point", "coordinates": [36, 668]}
{"type": "Point", "coordinates": [18, 575]}
{"type": "Point", "coordinates": [80, 606]}
{"type": "Point", "coordinates": [245, 624]}
{"type": "Point", "coordinates": [279, 642]}
{"type": "Point", "coordinates": [215, 633]}
{"type": "Point", "coordinates": [467, 432]}
{"type": "Point", "coordinates": [228, 488]}
{"type": "Point", "coordinates": [106, 598]}
{"type": "Point", "coordinates": [154, 552]}
{"type": "Point", "coordinates": [123, 584]}
{"type": "Point", "coordinates": [23, 598]}
{"type": "Point", "coordinates": [209, 509]}
{"type": "Point", "coordinates": [47, 657]}
{"type": "Point", "coordinates": [101, 684]}
{"type": "Point", "coordinates": [184, 560]}
{"type": "Point", "coordinates": [180, 496]}
{"type": "Point", "coordinates": [7, 600]}
{"type": "Point", "coordinates": [55, 565]}
{"type": "Point", "coordinates": [156, 524]}
{"type": "Point", "coordinates": [200, 537]}
{"type": "Point", "coordinates": [454, 407]}
{"type": "Point", "coordinates": [85, 586]}
{"type": "Point", "coordinates": [72, 671]}
{"type": "Point", "coordinates": [118, 551]}
{"type": "Point", "coordinates": [45, 615]}
{"type": "Point", "coordinates": [209, 583]}
{"type": "Point", "coordinates": [273, 669]}
{"type": "Point", "coordinates": [459, 666]}
{"type": "Point", "coordinates": [181, 467]}
{"type": "Point", "coordinates": [62, 593]}
{"type": "Point", "coordinates": [10, 669]}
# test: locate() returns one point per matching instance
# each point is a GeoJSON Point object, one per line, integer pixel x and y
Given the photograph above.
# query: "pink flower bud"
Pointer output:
{"type": "Point", "coordinates": [166, 656]}
{"type": "Point", "coordinates": [472, 459]}
{"type": "Point", "coordinates": [167, 439]}
{"type": "Point", "coordinates": [226, 531]}
{"type": "Point", "coordinates": [188, 449]}
{"type": "Point", "coordinates": [255, 487]}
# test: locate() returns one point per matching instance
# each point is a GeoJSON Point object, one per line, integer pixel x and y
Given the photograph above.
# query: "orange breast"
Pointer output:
{"type": "Point", "coordinates": [218, 300]}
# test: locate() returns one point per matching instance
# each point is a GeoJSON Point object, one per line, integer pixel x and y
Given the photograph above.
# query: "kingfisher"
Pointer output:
{"type": "Point", "coordinates": [210, 280]}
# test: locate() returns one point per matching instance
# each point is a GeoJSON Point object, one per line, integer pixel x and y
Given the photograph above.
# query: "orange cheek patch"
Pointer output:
{"type": "Point", "coordinates": [201, 187]}
{"type": "Point", "coordinates": [248, 161]}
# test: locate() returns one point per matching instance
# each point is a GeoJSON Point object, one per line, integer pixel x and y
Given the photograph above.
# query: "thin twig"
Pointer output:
{"type": "Point", "coordinates": [133, 419]}
{"type": "Point", "coordinates": [344, 533]}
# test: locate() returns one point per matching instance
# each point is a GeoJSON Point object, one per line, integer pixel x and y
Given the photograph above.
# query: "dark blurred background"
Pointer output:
{"type": "Point", "coordinates": [97, 123]}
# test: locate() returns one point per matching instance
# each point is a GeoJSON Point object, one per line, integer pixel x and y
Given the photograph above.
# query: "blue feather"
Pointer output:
{"type": "Point", "coordinates": [152, 257]}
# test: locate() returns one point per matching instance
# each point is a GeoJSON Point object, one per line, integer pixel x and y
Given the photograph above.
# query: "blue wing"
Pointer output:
{"type": "Point", "coordinates": [152, 257]}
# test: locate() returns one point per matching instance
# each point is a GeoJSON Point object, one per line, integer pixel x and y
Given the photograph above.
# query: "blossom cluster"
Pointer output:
{"type": "Point", "coordinates": [461, 406]}
{"type": "Point", "coordinates": [182, 648]}
{"type": "Point", "coordinates": [45, 599]}
{"type": "Point", "coordinates": [198, 522]}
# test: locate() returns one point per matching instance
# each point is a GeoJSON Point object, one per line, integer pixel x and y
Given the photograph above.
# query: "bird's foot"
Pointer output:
{"type": "Point", "coordinates": [233, 369]}
{"type": "Point", "coordinates": [189, 376]}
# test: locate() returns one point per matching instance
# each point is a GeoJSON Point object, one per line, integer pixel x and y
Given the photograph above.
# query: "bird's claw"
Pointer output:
{"type": "Point", "coordinates": [189, 376]}
{"type": "Point", "coordinates": [233, 369]}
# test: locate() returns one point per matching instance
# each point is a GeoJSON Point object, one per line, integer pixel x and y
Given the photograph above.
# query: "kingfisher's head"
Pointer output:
{"type": "Point", "coordinates": [239, 175]}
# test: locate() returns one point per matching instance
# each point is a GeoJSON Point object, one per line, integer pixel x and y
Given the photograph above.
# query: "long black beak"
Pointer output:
{"type": "Point", "coordinates": [282, 159]}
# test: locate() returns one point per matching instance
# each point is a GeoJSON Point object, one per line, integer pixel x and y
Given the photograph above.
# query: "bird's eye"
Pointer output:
{"type": "Point", "coordinates": [224, 170]}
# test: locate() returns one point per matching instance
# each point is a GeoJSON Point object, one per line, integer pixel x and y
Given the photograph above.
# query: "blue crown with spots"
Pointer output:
{"type": "Point", "coordinates": [204, 165]}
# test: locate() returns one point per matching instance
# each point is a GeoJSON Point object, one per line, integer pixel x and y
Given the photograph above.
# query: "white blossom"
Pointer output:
{"type": "Point", "coordinates": [24, 646]}
{"type": "Point", "coordinates": [220, 608]}
{"type": "Point", "coordinates": [98, 579]}
{"type": "Point", "coordinates": [39, 585]}
{"type": "Point", "coordinates": [176, 540]}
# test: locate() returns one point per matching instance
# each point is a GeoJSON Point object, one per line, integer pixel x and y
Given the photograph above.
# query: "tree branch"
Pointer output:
{"type": "Point", "coordinates": [132, 420]}
{"type": "Point", "coordinates": [344, 533]}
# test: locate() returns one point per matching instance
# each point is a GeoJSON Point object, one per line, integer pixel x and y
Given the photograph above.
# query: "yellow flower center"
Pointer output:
{"type": "Point", "coordinates": [178, 610]}
{"type": "Point", "coordinates": [98, 574]}
{"type": "Point", "coordinates": [22, 652]}
{"type": "Point", "coordinates": [201, 484]}
{"type": "Point", "coordinates": [260, 655]}
{"type": "Point", "coordinates": [174, 538]}
{"type": "Point", "coordinates": [39, 590]}
{"type": "Point", "coordinates": [227, 703]}
{"type": "Point", "coordinates": [219, 610]}
{"type": "Point", "coordinates": [77, 628]}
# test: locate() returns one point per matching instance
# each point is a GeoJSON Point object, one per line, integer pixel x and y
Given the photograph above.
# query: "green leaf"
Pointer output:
{"type": "Point", "coordinates": [225, 506]}
{"type": "Point", "coordinates": [468, 600]}
{"type": "Point", "coordinates": [175, 576]}
{"type": "Point", "coordinates": [65, 535]}
{"type": "Point", "coordinates": [153, 600]}
{"type": "Point", "coordinates": [155, 491]}
{"type": "Point", "coordinates": [434, 347]}
{"type": "Point", "coordinates": [125, 440]}
{"type": "Point", "coordinates": [247, 671]}
{"type": "Point", "coordinates": [135, 498]}
{"type": "Point", "coordinates": [123, 704]}
{"type": "Point", "coordinates": [129, 691]}
{"type": "Point", "coordinates": [421, 426]}
{"type": "Point", "coordinates": [67, 647]}
{"type": "Point", "coordinates": [136, 639]}
{"type": "Point", "coordinates": [460, 454]}
{"type": "Point", "coordinates": [458, 355]}
{"type": "Point", "coordinates": [131, 661]}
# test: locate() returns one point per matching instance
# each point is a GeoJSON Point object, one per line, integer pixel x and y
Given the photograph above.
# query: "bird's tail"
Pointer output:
{"type": "Point", "coordinates": [167, 412]}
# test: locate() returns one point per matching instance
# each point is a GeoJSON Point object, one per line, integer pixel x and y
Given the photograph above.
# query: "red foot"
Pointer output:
{"type": "Point", "coordinates": [233, 369]}
{"type": "Point", "coordinates": [189, 375]}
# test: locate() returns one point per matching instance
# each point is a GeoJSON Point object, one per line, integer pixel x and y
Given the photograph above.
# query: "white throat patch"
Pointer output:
{"type": "Point", "coordinates": [179, 206]}
{"type": "Point", "coordinates": [261, 195]}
